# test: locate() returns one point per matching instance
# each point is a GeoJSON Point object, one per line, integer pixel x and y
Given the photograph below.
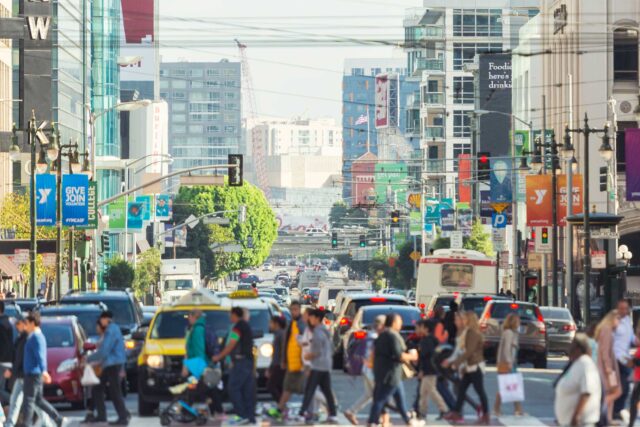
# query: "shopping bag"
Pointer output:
{"type": "Point", "coordinates": [511, 387]}
{"type": "Point", "coordinates": [89, 377]}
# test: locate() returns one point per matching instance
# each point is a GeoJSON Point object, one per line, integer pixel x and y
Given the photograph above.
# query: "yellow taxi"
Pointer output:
{"type": "Point", "coordinates": [162, 355]}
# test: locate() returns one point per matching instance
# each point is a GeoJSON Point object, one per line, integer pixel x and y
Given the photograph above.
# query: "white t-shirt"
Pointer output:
{"type": "Point", "coordinates": [581, 378]}
{"type": "Point", "coordinates": [623, 339]}
{"type": "Point", "coordinates": [305, 342]}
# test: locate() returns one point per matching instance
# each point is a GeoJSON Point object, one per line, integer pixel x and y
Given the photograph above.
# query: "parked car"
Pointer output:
{"type": "Point", "coordinates": [267, 266]}
{"type": "Point", "coordinates": [533, 346]}
{"type": "Point", "coordinates": [66, 344]}
{"type": "Point", "coordinates": [561, 328]}
{"type": "Point", "coordinates": [348, 311]}
{"type": "Point", "coordinates": [26, 304]}
{"type": "Point", "coordinates": [355, 338]}
{"type": "Point", "coordinates": [329, 293]}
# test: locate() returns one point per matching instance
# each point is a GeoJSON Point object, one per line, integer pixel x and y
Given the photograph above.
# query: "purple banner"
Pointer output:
{"type": "Point", "coordinates": [632, 159]}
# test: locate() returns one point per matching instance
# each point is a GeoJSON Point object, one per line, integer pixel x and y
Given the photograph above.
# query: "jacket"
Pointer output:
{"type": "Point", "coordinates": [508, 347]}
{"type": "Point", "coordinates": [301, 328]}
{"type": "Point", "coordinates": [111, 351]}
{"type": "Point", "coordinates": [607, 363]}
{"type": "Point", "coordinates": [196, 345]}
{"type": "Point", "coordinates": [427, 349]}
{"type": "Point", "coordinates": [322, 349]}
{"type": "Point", "coordinates": [473, 352]}
{"type": "Point", "coordinates": [6, 339]}
{"type": "Point", "coordinates": [35, 354]}
{"type": "Point", "coordinates": [17, 369]}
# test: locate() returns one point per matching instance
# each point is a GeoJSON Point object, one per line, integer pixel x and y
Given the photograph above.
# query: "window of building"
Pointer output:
{"type": "Point", "coordinates": [213, 83]}
{"type": "Point", "coordinates": [357, 71]}
{"type": "Point", "coordinates": [164, 73]}
{"type": "Point", "coordinates": [461, 124]}
{"type": "Point", "coordinates": [198, 129]}
{"type": "Point", "coordinates": [230, 72]}
{"type": "Point", "coordinates": [212, 72]}
{"type": "Point", "coordinates": [213, 128]}
{"type": "Point", "coordinates": [178, 118]}
{"type": "Point", "coordinates": [231, 106]}
{"type": "Point", "coordinates": [477, 23]}
{"type": "Point", "coordinates": [463, 90]}
{"type": "Point", "coordinates": [179, 95]}
{"type": "Point", "coordinates": [195, 72]}
{"type": "Point", "coordinates": [625, 55]}
{"type": "Point", "coordinates": [164, 84]}
{"type": "Point", "coordinates": [178, 129]}
{"type": "Point", "coordinates": [178, 106]}
{"type": "Point", "coordinates": [179, 84]}
{"type": "Point", "coordinates": [196, 84]}
{"type": "Point", "coordinates": [464, 53]}
{"type": "Point", "coordinates": [230, 83]}
{"type": "Point", "coordinates": [460, 149]}
{"type": "Point", "coordinates": [214, 96]}
{"type": "Point", "coordinates": [178, 72]}
{"type": "Point", "coordinates": [164, 95]}
{"type": "Point", "coordinates": [229, 129]}
{"type": "Point", "coordinates": [230, 95]}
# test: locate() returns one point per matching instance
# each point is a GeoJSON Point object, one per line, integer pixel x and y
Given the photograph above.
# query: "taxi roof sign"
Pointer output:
{"type": "Point", "coordinates": [202, 296]}
{"type": "Point", "coordinates": [242, 294]}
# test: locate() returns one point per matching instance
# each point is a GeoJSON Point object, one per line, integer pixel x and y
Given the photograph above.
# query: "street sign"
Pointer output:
{"type": "Point", "coordinates": [543, 240]}
{"type": "Point", "coordinates": [604, 233]}
{"type": "Point", "coordinates": [363, 254]}
{"type": "Point", "coordinates": [504, 260]}
{"type": "Point", "coordinates": [499, 237]}
{"type": "Point", "coordinates": [189, 180]}
{"type": "Point", "coordinates": [534, 260]}
{"type": "Point", "coordinates": [499, 207]}
{"type": "Point", "coordinates": [21, 256]}
{"type": "Point", "coordinates": [456, 240]}
{"type": "Point", "coordinates": [215, 220]}
{"type": "Point", "coordinates": [598, 259]}
{"type": "Point", "coordinates": [499, 220]}
{"type": "Point", "coordinates": [191, 221]}
{"type": "Point", "coordinates": [415, 255]}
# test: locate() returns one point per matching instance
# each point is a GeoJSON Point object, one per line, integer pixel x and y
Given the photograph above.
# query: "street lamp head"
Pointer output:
{"type": "Point", "coordinates": [606, 151]}
{"type": "Point", "coordinates": [623, 248]}
{"type": "Point", "coordinates": [574, 165]}
{"type": "Point", "coordinates": [86, 166]}
{"type": "Point", "coordinates": [567, 151]}
{"type": "Point", "coordinates": [41, 164]}
{"type": "Point", "coordinates": [74, 163]}
{"type": "Point", "coordinates": [524, 167]}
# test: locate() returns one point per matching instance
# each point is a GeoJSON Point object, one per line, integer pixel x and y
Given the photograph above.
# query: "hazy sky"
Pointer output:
{"type": "Point", "coordinates": [296, 48]}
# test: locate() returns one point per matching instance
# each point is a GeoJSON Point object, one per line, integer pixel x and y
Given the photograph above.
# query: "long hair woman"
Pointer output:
{"type": "Point", "coordinates": [469, 361]}
{"type": "Point", "coordinates": [507, 358]}
{"type": "Point", "coordinates": [607, 364]}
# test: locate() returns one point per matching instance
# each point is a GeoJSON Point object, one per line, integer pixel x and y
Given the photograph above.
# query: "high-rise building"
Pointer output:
{"type": "Point", "coordinates": [361, 133]}
{"type": "Point", "coordinates": [205, 112]}
{"type": "Point", "coordinates": [6, 105]}
{"type": "Point", "coordinates": [442, 40]}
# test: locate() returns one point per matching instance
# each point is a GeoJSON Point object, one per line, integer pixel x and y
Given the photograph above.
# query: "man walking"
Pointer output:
{"type": "Point", "coordinates": [321, 358]}
{"type": "Point", "coordinates": [623, 339]}
{"type": "Point", "coordinates": [16, 374]}
{"type": "Point", "coordinates": [241, 377]}
{"type": "Point", "coordinates": [111, 357]}
{"type": "Point", "coordinates": [35, 374]}
{"type": "Point", "coordinates": [6, 350]}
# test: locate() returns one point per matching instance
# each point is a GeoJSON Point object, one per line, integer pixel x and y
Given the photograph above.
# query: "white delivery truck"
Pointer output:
{"type": "Point", "coordinates": [178, 277]}
{"type": "Point", "coordinates": [455, 270]}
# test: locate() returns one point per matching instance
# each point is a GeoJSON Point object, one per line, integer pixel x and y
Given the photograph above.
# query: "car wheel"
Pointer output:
{"type": "Point", "coordinates": [540, 361]}
{"type": "Point", "coordinates": [147, 409]}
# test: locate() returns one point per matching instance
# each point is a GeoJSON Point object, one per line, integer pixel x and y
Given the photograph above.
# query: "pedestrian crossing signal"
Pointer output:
{"type": "Point", "coordinates": [234, 170]}
{"type": "Point", "coordinates": [334, 240]}
{"type": "Point", "coordinates": [363, 241]}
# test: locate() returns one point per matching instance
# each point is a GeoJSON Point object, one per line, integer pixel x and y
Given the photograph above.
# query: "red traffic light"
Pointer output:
{"type": "Point", "coordinates": [484, 158]}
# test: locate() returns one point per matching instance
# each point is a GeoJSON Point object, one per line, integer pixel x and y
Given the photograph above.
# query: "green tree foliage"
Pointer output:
{"type": "Point", "coordinates": [479, 240]}
{"type": "Point", "coordinates": [119, 274]}
{"type": "Point", "coordinates": [260, 225]}
{"type": "Point", "coordinates": [341, 215]}
{"type": "Point", "coordinates": [147, 271]}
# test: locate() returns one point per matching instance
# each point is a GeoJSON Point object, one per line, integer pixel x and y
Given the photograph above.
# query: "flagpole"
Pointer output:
{"type": "Point", "coordinates": [368, 130]}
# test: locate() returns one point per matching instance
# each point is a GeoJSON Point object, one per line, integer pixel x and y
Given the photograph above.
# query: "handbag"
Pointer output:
{"type": "Point", "coordinates": [503, 368]}
{"type": "Point", "coordinates": [511, 387]}
{"type": "Point", "coordinates": [89, 377]}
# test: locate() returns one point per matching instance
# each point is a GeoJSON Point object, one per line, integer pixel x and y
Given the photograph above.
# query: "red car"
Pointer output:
{"type": "Point", "coordinates": [66, 344]}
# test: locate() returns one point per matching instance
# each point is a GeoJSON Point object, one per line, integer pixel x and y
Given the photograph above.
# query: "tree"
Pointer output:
{"type": "Point", "coordinates": [119, 274]}
{"type": "Point", "coordinates": [479, 240]}
{"type": "Point", "coordinates": [260, 227]}
{"type": "Point", "coordinates": [147, 271]}
{"type": "Point", "coordinates": [341, 215]}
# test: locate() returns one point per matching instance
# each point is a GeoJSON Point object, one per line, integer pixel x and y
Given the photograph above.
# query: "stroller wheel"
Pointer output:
{"type": "Point", "coordinates": [165, 419]}
{"type": "Point", "coordinates": [201, 420]}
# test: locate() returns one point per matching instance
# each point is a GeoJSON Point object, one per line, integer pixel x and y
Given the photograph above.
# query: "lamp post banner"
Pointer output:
{"type": "Point", "coordinates": [632, 156]}
{"type": "Point", "coordinates": [576, 205]}
{"type": "Point", "coordinates": [539, 194]}
{"type": "Point", "coordinates": [501, 188]}
{"type": "Point", "coordinates": [75, 200]}
{"type": "Point", "coordinates": [46, 200]}
{"type": "Point", "coordinates": [135, 215]}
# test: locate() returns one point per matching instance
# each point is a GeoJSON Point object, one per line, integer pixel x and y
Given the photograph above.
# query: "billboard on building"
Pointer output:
{"type": "Point", "coordinates": [149, 136]}
{"type": "Point", "coordinates": [139, 41]}
{"type": "Point", "coordinates": [390, 180]}
{"type": "Point", "coordinates": [494, 80]}
{"type": "Point", "coordinates": [382, 101]}
{"type": "Point", "coordinates": [632, 156]}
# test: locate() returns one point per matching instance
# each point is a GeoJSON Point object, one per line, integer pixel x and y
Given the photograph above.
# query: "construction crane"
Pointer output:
{"type": "Point", "coordinates": [250, 103]}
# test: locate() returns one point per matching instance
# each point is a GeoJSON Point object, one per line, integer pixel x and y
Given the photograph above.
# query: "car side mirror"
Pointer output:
{"type": "Point", "coordinates": [139, 335]}
{"type": "Point", "coordinates": [89, 346]}
{"type": "Point", "coordinates": [145, 322]}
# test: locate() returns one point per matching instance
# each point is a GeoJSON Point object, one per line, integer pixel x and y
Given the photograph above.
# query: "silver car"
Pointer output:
{"type": "Point", "coordinates": [561, 328]}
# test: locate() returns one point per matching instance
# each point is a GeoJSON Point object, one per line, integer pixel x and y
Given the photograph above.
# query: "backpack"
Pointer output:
{"type": "Point", "coordinates": [211, 343]}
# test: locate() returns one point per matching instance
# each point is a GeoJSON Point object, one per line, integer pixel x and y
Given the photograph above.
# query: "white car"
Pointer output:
{"type": "Point", "coordinates": [315, 232]}
{"type": "Point", "coordinates": [267, 267]}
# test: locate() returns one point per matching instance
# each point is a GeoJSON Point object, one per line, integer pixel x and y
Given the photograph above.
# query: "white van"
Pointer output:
{"type": "Point", "coordinates": [455, 270]}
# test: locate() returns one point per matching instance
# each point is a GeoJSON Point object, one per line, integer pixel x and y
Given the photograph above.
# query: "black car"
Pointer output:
{"type": "Point", "coordinates": [87, 315]}
{"type": "Point", "coordinates": [126, 313]}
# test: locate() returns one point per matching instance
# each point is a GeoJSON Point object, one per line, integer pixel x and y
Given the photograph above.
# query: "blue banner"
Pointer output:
{"type": "Point", "coordinates": [432, 212]}
{"type": "Point", "coordinates": [147, 205]}
{"type": "Point", "coordinates": [448, 221]}
{"type": "Point", "coordinates": [75, 200]}
{"type": "Point", "coordinates": [135, 215]}
{"type": "Point", "coordinates": [164, 207]}
{"type": "Point", "coordinates": [501, 190]}
{"type": "Point", "coordinates": [46, 200]}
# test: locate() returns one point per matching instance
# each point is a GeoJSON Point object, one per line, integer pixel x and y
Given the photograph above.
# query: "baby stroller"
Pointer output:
{"type": "Point", "coordinates": [191, 401]}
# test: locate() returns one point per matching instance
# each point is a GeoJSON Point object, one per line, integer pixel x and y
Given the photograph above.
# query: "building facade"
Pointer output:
{"type": "Point", "coordinates": [320, 137]}
{"type": "Point", "coordinates": [6, 105]}
{"type": "Point", "coordinates": [205, 112]}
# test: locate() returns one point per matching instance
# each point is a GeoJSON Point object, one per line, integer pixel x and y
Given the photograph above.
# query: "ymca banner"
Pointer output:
{"type": "Point", "coordinates": [576, 205]}
{"type": "Point", "coordinates": [538, 197]}
{"type": "Point", "coordinates": [46, 200]}
{"type": "Point", "coordinates": [632, 157]}
{"type": "Point", "coordinates": [75, 200]}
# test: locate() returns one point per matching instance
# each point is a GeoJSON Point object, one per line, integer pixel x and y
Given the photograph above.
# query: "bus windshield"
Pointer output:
{"type": "Point", "coordinates": [457, 275]}
{"type": "Point", "coordinates": [178, 284]}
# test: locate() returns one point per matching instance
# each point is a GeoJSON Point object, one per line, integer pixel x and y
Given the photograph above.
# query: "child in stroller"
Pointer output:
{"type": "Point", "coordinates": [192, 398]}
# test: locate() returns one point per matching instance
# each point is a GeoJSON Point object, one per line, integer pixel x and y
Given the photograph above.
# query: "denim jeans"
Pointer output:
{"type": "Point", "coordinates": [320, 379]}
{"type": "Point", "coordinates": [477, 380]}
{"type": "Point", "coordinates": [443, 389]}
{"type": "Point", "coordinates": [241, 389]}
{"type": "Point", "coordinates": [110, 377]}
{"type": "Point", "coordinates": [621, 402]}
{"type": "Point", "coordinates": [381, 395]}
{"type": "Point", "coordinates": [15, 403]}
{"type": "Point", "coordinates": [32, 399]}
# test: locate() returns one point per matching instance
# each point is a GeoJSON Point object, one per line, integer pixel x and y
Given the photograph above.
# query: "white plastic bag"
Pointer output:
{"type": "Point", "coordinates": [511, 387]}
{"type": "Point", "coordinates": [89, 377]}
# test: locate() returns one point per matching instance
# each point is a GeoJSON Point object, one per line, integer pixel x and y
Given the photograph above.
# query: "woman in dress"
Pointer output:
{"type": "Point", "coordinates": [607, 364]}
{"type": "Point", "coordinates": [507, 358]}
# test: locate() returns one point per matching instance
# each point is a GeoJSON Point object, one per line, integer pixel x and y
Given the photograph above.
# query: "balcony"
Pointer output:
{"type": "Point", "coordinates": [430, 32]}
{"type": "Point", "coordinates": [433, 99]}
{"type": "Point", "coordinates": [433, 132]}
{"type": "Point", "coordinates": [434, 166]}
{"type": "Point", "coordinates": [430, 64]}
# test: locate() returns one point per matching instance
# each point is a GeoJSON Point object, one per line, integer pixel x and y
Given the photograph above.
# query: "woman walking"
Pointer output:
{"type": "Point", "coordinates": [507, 358]}
{"type": "Point", "coordinates": [469, 363]}
{"type": "Point", "coordinates": [607, 364]}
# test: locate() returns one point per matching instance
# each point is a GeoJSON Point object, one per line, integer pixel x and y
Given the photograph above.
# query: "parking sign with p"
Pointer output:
{"type": "Point", "coordinates": [499, 220]}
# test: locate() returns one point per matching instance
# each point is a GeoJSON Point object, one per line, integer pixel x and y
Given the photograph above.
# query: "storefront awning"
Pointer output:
{"type": "Point", "coordinates": [9, 269]}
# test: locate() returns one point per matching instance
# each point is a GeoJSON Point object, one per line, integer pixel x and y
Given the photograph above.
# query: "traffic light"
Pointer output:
{"type": "Point", "coordinates": [363, 241]}
{"type": "Point", "coordinates": [235, 170]}
{"type": "Point", "coordinates": [334, 240]}
{"type": "Point", "coordinates": [544, 237]}
{"type": "Point", "coordinates": [105, 242]}
{"type": "Point", "coordinates": [395, 219]}
{"type": "Point", "coordinates": [483, 166]}
{"type": "Point", "coordinates": [604, 175]}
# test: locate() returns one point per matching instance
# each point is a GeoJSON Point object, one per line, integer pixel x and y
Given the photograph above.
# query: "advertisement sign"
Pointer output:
{"type": "Point", "coordinates": [92, 223]}
{"type": "Point", "coordinates": [75, 200]}
{"type": "Point", "coordinates": [494, 87]}
{"type": "Point", "coordinates": [599, 259]}
{"type": "Point", "coordinates": [465, 221]}
{"type": "Point", "coordinates": [21, 256]}
{"type": "Point", "coordinates": [414, 200]}
{"type": "Point", "coordinates": [464, 178]}
{"type": "Point", "coordinates": [46, 200]}
{"type": "Point", "coordinates": [576, 189]}
{"type": "Point", "coordinates": [138, 24]}
{"type": "Point", "coordinates": [135, 213]}
{"type": "Point", "coordinates": [390, 182]}
{"type": "Point", "coordinates": [432, 211]}
{"type": "Point", "coordinates": [116, 211]}
{"type": "Point", "coordinates": [632, 156]}
{"type": "Point", "coordinates": [147, 206]}
{"type": "Point", "coordinates": [180, 237]}
{"type": "Point", "coordinates": [456, 240]}
{"type": "Point", "coordinates": [164, 207]}
{"type": "Point", "coordinates": [448, 221]}
{"type": "Point", "coordinates": [521, 142]}
{"type": "Point", "coordinates": [382, 101]}
{"type": "Point", "coordinates": [538, 199]}
{"type": "Point", "coordinates": [501, 191]}
{"type": "Point", "coordinates": [415, 224]}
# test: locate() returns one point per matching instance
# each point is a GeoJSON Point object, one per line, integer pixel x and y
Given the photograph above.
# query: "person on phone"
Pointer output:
{"type": "Point", "coordinates": [35, 375]}
{"type": "Point", "coordinates": [607, 364]}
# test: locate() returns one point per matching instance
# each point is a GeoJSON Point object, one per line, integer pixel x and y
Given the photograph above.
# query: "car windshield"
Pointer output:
{"type": "Point", "coordinates": [333, 293]}
{"type": "Point", "coordinates": [314, 292]}
{"type": "Point", "coordinates": [474, 304]}
{"type": "Point", "coordinates": [121, 308]}
{"type": "Point", "coordinates": [178, 284]}
{"type": "Point", "coordinates": [58, 335]}
{"type": "Point", "coordinates": [525, 311]}
{"type": "Point", "coordinates": [281, 291]}
{"type": "Point", "coordinates": [259, 320]}
{"type": "Point", "coordinates": [555, 313]}
{"type": "Point", "coordinates": [409, 317]}
{"type": "Point", "coordinates": [173, 324]}
{"type": "Point", "coordinates": [377, 301]}
{"type": "Point", "coordinates": [86, 319]}
{"type": "Point", "coordinates": [443, 302]}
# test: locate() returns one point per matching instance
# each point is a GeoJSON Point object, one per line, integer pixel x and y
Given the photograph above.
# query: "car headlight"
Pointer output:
{"type": "Point", "coordinates": [67, 365]}
{"type": "Point", "coordinates": [266, 350]}
{"type": "Point", "coordinates": [155, 361]}
{"type": "Point", "coordinates": [129, 344]}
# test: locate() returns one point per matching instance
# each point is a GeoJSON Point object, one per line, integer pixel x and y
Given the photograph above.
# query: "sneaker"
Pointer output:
{"type": "Point", "coordinates": [332, 420]}
{"type": "Point", "coordinates": [351, 417]}
{"type": "Point", "coordinates": [275, 414]}
{"type": "Point", "coordinates": [414, 422]}
{"type": "Point", "coordinates": [239, 421]}
{"type": "Point", "coordinates": [295, 419]}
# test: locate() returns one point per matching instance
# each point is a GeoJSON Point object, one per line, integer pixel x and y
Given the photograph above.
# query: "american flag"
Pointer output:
{"type": "Point", "coordinates": [362, 120]}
